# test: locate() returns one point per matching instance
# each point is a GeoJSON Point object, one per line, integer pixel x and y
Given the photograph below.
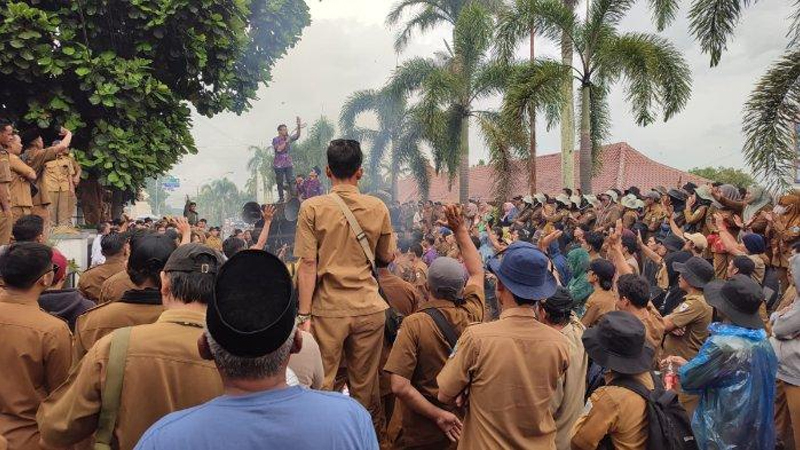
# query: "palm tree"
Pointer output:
{"type": "Point", "coordinates": [654, 73]}
{"type": "Point", "coordinates": [220, 200]}
{"type": "Point", "coordinates": [261, 174]}
{"type": "Point", "coordinates": [393, 134]}
{"type": "Point", "coordinates": [311, 152]}
{"type": "Point", "coordinates": [453, 81]}
{"type": "Point", "coordinates": [772, 122]}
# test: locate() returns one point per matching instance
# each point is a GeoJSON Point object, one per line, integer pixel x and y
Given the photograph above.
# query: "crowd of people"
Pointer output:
{"type": "Point", "coordinates": [565, 321]}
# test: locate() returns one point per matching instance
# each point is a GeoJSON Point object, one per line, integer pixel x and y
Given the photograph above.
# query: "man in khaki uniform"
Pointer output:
{"type": "Point", "coordinates": [75, 180]}
{"type": "Point", "coordinates": [115, 287]}
{"type": "Point", "coordinates": [35, 350]}
{"type": "Point", "coordinates": [603, 300]}
{"type": "Point", "coordinates": [654, 213]}
{"type": "Point", "coordinates": [618, 344]}
{"type": "Point", "coordinates": [556, 312]}
{"type": "Point", "coordinates": [36, 156]}
{"type": "Point", "coordinates": [138, 306]}
{"type": "Point", "coordinates": [21, 177]}
{"type": "Point", "coordinates": [336, 286]}
{"type": "Point", "coordinates": [687, 326]}
{"type": "Point", "coordinates": [58, 173]}
{"type": "Point", "coordinates": [163, 370]}
{"type": "Point", "coordinates": [115, 249]}
{"type": "Point", "coordinates": [421, 349]}
{"type": "Point", "coordinates": [610, 213]}
{"type": "Point", "coordinates": [6, 137]}
{"type": "Point", "coordinates": [510, 368]}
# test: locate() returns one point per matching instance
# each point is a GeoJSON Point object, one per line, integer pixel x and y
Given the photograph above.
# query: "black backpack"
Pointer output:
{"type": "Point", "coordinates": [669, 427]}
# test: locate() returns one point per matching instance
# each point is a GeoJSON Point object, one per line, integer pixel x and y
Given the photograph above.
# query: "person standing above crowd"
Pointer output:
{"type": "Point", "coordinates": [36, 346]}
{"type": "Point", "coordinates": [249, 335]}
{"type": "Point", "coordinates": [60, 174]}
{"type": "Point", "coordinates": [6, 220]}
{"type": "Point", "coordinates": [423, 345]}
{"type": "Point", "coordinates": [22, 176]}
{"type": "Point", "coordinates": [339, 300]}
{"type": "Point", "coordinates": [282, 164]}
{"type": "Point", "coordinates": [509, 370]}
{"type": "Point", "coordinates": [36, 156]}
{"type": "Point", "coordinates": [159, 372]}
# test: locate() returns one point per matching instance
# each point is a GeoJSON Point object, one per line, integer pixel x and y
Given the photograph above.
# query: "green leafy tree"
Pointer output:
{"type": "Point", "coordinates": [310, 153]}
{"type": "Point", "coordinates": [654, 73]}
{"type": "Point", "coordinates": [450, 84]}
{"type": "Point", "coordinates": [156, 196]}
{"type": "Point", "coordinates": [261, 174]}
{"type": "Point", "coordinates": [123, 75]}
{"type": "Point", "coordinates": [726, 175]}
{"type": "Point", "coordinates": [219, 200]}
{"type": "Point", "coordinates": [393, 139]}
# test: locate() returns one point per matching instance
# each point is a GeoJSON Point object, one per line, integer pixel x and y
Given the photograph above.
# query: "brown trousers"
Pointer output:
{"type": "Point", "coordinates": [19, 211]}
{"type": "Point", "coordinates": [6, 223]}
{"type": "Point", "coordinates": [358, 341]}
{"type": "Point", "coordinates": [42, 211]}
{"type": "Point", "coordinates": [60, 208]}
{"type": "Point", "coordinates": [787, 414]}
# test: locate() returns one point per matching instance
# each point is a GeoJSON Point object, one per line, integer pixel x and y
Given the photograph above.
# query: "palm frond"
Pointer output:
{"type": "Point", "coordinates": [356, 104]}
{"type": "Point", "coordinates": [664, 12]}
{"type": "Point", "coordinates": [513, 25]}
{"type": "Point", "coordinates": [472, 35]}
{"type": "Point", "coordinates": [491, 79]}
{"type": "Point", "coordinates": [601, 23]}
{"type": "Point", "coordinates": [501, 157]}
{"type": "Point", "coordinates": [654, 71]}
{"type": "Point", "coordinates": [554, 20]}
{"type": "Point", "coordinates": [794, 29]}
{"type": "Point", "coordinates": [600, 118]}
{"type": "Point", "coordinates": [403, 6]}
{"type": "Point", "coordinates": [410, 75]}
{"type": "Point", "coordinates": [712, 23]}
{"type": "Point", "coordinates": [409, 153]}
{"type": "Point", "coordinates": [423, 21]}
{"type": "Point", "coordinates": [771, 122]}
{"type": "Point", "coordinates": [377, 152]}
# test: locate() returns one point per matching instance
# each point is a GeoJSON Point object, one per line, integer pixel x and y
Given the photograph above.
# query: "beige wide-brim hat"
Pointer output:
{"type": "Point", "coordinates": [631, 202]}
{"type": "Point", "coordinates": [592, 199]}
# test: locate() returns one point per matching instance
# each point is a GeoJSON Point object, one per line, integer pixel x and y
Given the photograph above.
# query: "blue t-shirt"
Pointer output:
{"type": "Point", "coordinates": [291, 418]}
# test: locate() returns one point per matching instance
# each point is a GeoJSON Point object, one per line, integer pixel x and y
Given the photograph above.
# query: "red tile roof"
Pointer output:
{"type": "Point", "coordinates": [622, 167]}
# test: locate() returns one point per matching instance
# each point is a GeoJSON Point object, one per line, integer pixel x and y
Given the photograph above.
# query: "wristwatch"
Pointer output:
{"type": "Point", "coordinates": [303, 318]}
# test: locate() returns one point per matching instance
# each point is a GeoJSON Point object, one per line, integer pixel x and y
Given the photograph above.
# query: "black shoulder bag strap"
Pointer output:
{"type": "Point", "coordinates": [444, 326]}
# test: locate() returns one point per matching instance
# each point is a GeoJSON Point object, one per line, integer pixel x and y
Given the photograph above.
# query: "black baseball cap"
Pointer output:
{"type": "Point", "coordinates": [253, 312]}
{"type": "Point", "coordinates": [193, 258]}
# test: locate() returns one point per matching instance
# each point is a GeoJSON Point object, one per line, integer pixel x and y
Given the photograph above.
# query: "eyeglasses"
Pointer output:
{"type": "Point", "coordinates": [53, 269]}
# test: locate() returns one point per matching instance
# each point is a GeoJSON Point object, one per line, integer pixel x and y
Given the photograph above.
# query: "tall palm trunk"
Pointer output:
{"type": "Point", "coordinates": [585, 167]}
{"type": "Point", "coordinates": [567, 115]}
{"type": "Point", "coordinates": [395, 170]}
{"type": "Point", "coordinates": [532, 150]}
{"type": "Point", "coordinates": [463, 170]}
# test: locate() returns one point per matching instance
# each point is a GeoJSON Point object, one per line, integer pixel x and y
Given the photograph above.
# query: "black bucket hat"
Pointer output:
{"type": "Point", "coordinates": [671, 242]}
{"type": "Point", "coordinates": [252, 313]}
{"type": "Point", "coordinates": [739, 299]}
{"type": "Point", "coordinates": [618, 343]}
{"type": "Point", "coordinates": [696, 271]}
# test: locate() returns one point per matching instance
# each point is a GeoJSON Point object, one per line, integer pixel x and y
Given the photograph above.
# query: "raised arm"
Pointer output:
{"type": "Point", "coordinates": [472, 259]}
{"type": "Point", "coordinates": [731, 246]}
{"type": "Point", "coordinates": [267, 214]}
{"type": "Point", "coordinates": [614, 242]}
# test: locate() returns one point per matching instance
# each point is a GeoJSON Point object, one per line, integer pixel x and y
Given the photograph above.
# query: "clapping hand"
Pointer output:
{"type": "Point", "coordinates": [454, 216]}
{"type": "Point", "coordinates": [268, 213]}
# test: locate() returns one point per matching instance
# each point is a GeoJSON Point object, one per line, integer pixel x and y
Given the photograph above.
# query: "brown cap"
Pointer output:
{"type": "Point", "coordinates": [193, 258]}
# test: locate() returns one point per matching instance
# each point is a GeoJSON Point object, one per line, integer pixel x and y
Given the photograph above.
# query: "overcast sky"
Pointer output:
{"type": "Point", "coordinates": [347, 47]}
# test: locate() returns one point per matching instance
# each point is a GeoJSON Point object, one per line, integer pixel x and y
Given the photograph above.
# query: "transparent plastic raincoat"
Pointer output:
{"type": "Point", "coordinates": [734, 375]}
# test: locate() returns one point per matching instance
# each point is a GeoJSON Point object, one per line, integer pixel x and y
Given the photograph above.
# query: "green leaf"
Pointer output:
{"type": "Point", "coordinates": [69, 51]}
{"type": "Point", "coordinates": [83, 71]}
{"type": "Point", "coordinates": [16, 43]}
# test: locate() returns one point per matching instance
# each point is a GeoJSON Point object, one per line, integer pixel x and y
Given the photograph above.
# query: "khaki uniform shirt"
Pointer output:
{"type": "Point", "coordinates": [694, 314]}
{"type": "Point", "coordinates": [420, 352]}
{"type": "Point", "coordinates": [568, 401]}
{"type": "Point", "coordinates": [59, 173]}
{"type": "Point", "coordinates": [20, 189]}
{"type": "Point", "coordinates": [614, 411]}
{"type": "Point", "coordinates": [653, 216]}
{"type": "Point", "coordinates": [608, 216]}
{"type": "Point", "coordinates": [105, 318]}
{"type": "Point", "coordinates": [163, 373]}
{"type": "Point", "coordinates": [5, 175]}
{"type": "Point", "coordinates": [654, 330]}
{"type": "Point", "coordinates": [629, 218]}
{"type": "Point", "coordinates": [597, 305]}
{"type": "Point", "coordinates": [214, 243]}
{"type": "Point", "coordinates": [345, 285]}
{"type": "Point", "coordinates": [404, 298]}
{"type": "Point", "coordinates": [36, 159]}
{"type": "Point", "coordinates": [115, 287]}
{"type": "Point", "coordinates": [35, 359]}
{"type": "Point", "coordinates": [92, 279]}
{"type": "Point", "coordinates": [512, 368]}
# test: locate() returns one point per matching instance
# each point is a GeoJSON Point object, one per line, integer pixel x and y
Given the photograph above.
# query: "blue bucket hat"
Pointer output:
{"type": "Point", "coordinates": [524, 270]}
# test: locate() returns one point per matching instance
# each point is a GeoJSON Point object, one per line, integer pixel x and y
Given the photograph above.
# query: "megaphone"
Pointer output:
{"type": "Point", "coordinates": [251, 212]}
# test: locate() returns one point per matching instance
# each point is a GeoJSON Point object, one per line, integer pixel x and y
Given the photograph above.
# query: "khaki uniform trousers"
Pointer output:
{"type": "Point", "coordinates": [6, 223]}
{"type": "Point", "coordinates": [357, 341]}
{"type": "Point", "coordinates": [787, 414]}
{"type": "Point", "coordinates": [60, 211]}
{"type": "Point", "coordinates": [42, 211]}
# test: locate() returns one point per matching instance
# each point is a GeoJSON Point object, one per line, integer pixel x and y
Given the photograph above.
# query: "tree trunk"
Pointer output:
{"type": "Point", "coordinates": [117, 203]}
{"type": "Point", "coordinates": [395, 171]}
{"type": "Point", "coordinates": [567, 116]}
{"type": "Point", "coordinates": [463, 170]}
{"type": "Point", "coordinates": [91, 197]}
{"type": "Point", "coordinates": [585, 167]}
{"type": "Point", "coordinates": [532, 149]}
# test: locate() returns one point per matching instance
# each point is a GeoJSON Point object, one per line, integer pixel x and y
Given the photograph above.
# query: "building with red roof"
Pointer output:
{"type": "Point", "coordinates": [622, 166]}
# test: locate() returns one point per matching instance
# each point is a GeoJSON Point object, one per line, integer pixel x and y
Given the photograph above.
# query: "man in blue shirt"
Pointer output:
{"type": "Point", "coordinates": [250, 333]}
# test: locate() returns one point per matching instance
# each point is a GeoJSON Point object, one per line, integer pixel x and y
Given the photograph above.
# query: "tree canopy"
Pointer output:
{"type": "Point", "coordinates": [123, 75]}
{"type": "Point", "coordinates": [726, 175]}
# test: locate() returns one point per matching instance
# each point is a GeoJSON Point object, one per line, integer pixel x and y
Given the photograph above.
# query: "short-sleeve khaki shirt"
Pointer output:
{"type": "Point", "coordinates": [92, 280]}
{"type": "Point", "coordinates": [597, 305]}
{"type": "Point", "coordinates": [345, 284]}
{"type": "Point", "coordinates": [419, 353]}
{"type": "Point", "coordinates": [115, 287]}
{"type": "Point", "coordinates": [512, 368]}
{"type": "Point", "coordinates": [58, 174]}
{"type": "Point", "coordinates": [20, 189]}
{"type": "Point", "coordinates": [35, 358]}
{"type": "Point", "coordinates": [694, 314]}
